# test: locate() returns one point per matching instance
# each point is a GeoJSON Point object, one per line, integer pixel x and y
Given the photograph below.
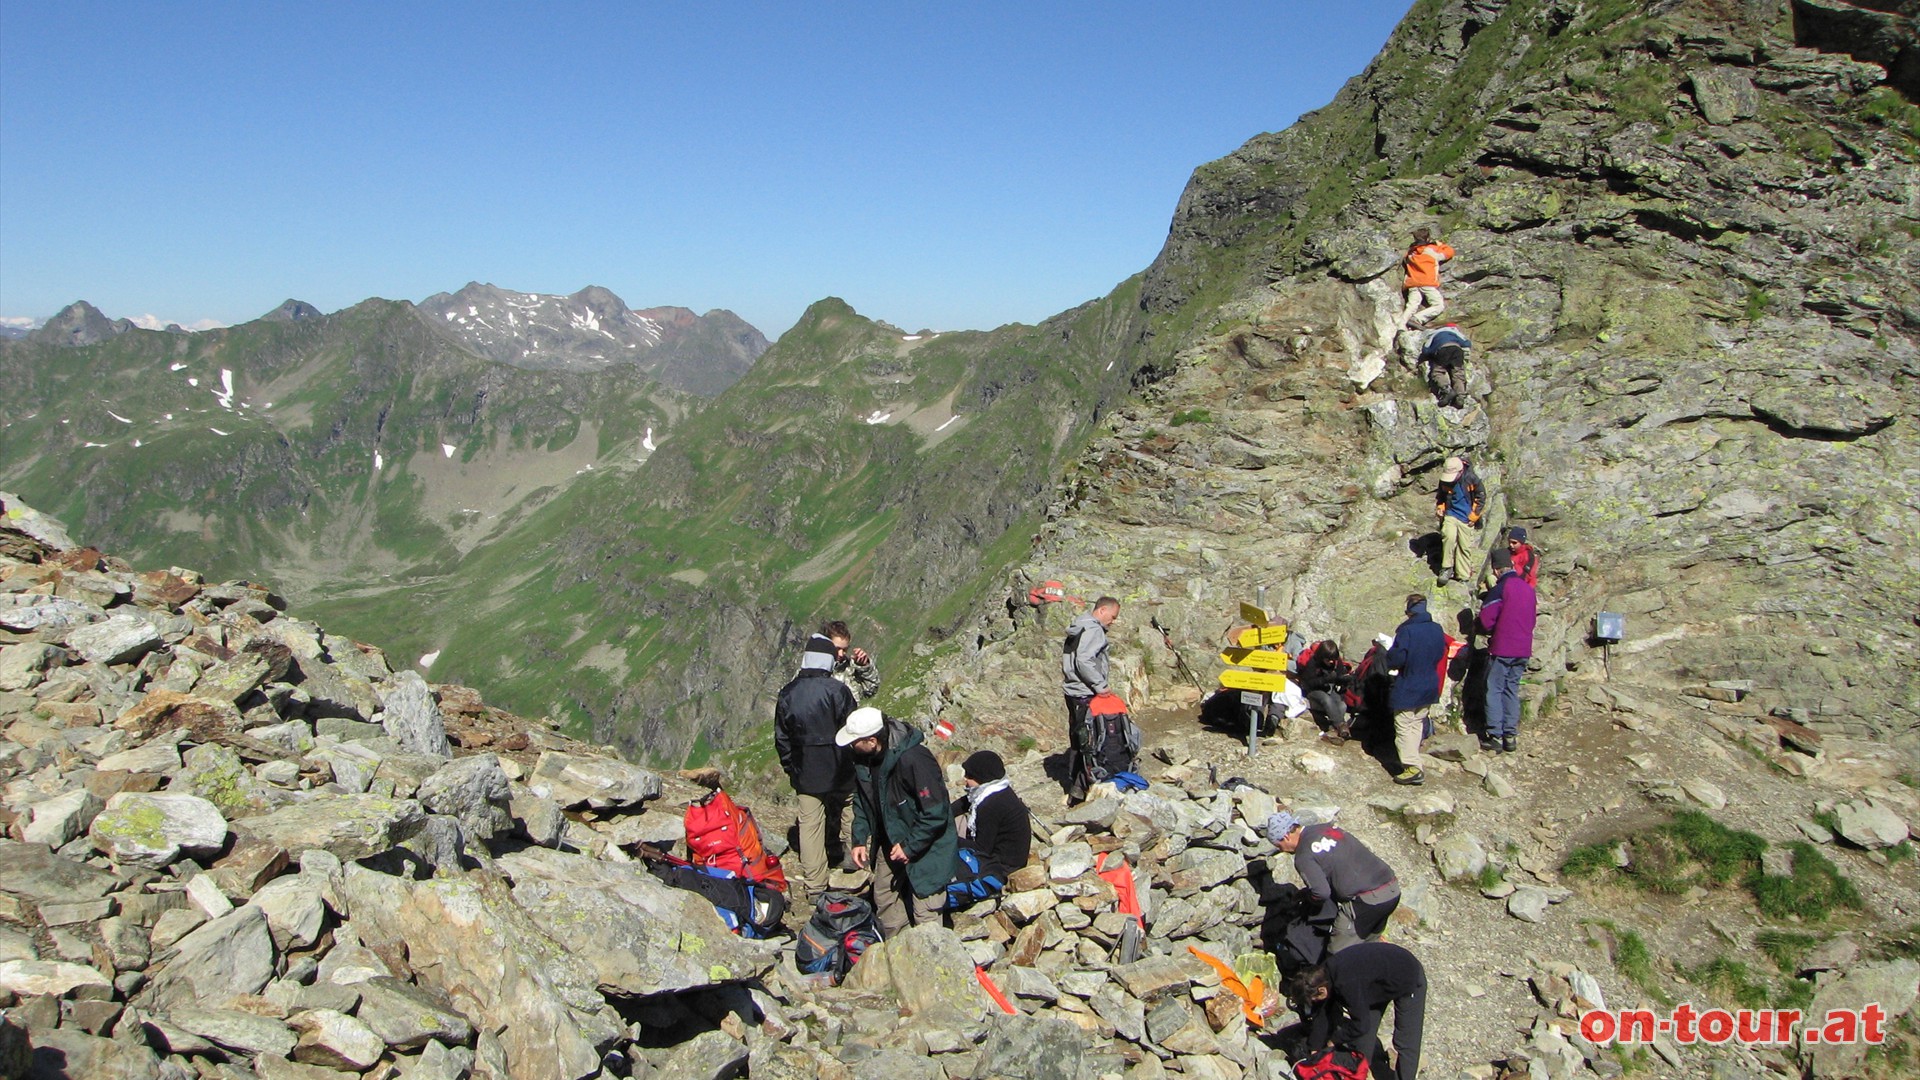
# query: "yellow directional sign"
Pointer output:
{"type": "Point", "coordinates": [1260, 658]}
{"type": "Point", "coordinates": [1249, 613]}
{"type": "Point", "coordinates": [1269, 681]}
{"type": "Point", "coordinates": [1263, 635]}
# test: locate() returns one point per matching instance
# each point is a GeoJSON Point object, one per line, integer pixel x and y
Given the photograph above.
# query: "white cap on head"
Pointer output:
{"type": "Point", "coordinates": [860, 724]}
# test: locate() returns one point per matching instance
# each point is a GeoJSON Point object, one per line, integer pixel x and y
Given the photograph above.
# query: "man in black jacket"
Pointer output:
{"type": "Point", "coordinates": [994, 827]}
{"type": "Point", "coordinates": [808, 715]}
{"type": "Point", "coordinates": [1354, 986]}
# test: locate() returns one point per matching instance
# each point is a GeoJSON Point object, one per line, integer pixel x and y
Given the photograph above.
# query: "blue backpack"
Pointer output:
{"type": "Point", "coordinates": [971, 885]}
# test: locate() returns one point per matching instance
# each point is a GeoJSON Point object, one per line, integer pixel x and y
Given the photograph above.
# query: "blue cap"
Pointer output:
{"type": "Point", "coordinates": [1280, 824]}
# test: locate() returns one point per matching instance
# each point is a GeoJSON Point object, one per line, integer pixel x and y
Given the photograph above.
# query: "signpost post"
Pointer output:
{"type": "Point", "coordinates": [1256, 687]}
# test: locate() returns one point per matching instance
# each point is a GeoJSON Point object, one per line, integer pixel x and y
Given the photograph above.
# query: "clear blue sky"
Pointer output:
{"type": "Point", "coordinates": [949, 166]}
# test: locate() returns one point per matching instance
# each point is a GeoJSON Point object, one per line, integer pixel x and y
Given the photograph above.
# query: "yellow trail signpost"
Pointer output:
{"type": "Point", "coordinates": [1257, 636]}
{"type": "Point", "coordinates": [1271, 682]}
{"type": "Point", "coordinates": [1264, 659]}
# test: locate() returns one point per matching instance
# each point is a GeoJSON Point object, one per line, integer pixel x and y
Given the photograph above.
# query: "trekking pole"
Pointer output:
{"type": "Point", "coordinates": [1179, 661]}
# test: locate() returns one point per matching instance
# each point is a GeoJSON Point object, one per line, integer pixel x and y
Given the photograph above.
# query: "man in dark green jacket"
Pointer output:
{"type": "Point", "coordinates": [902, 821]}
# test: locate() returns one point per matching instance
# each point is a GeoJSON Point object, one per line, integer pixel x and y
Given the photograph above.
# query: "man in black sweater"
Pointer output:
{"type": "Point", "coordinates": [1354, 988]}
{"type": "Point", "coordinates": [805, 720]}
{"type": "Point", "coordinates": [994, 829]}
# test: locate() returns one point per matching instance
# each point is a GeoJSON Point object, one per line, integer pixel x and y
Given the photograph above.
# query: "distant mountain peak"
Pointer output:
{"type": "Point", "coordinates": [594, 329]}
{"type": "Point", "coordinates": [291, 311]}
{"type": "Point", "coordinates": [79, 323]}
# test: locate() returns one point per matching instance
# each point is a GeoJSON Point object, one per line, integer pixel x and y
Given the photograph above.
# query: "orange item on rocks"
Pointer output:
{"type": "Point", "coordinates": [1251, 995]}
{"type": "Point", "coordinates": [1121, 878]}
{"type": "Point", "coordinates": [993, 991]}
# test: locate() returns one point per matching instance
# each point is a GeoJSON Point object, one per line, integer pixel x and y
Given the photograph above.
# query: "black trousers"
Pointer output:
{"type": "Point", "coordinates": [1409, 1027]}
{"type": "Point", "coordinates": [1076, 745]}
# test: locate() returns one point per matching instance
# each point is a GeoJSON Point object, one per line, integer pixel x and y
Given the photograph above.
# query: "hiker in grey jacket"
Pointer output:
{"type": "Point", "coordinates": [1083, 667]}
{"type": "Point", "coordinates": [1354, 891]}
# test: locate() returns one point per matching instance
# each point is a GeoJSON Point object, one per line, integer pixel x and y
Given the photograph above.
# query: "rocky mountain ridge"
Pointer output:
{"type": "Point", "coordinates": [593, 329]}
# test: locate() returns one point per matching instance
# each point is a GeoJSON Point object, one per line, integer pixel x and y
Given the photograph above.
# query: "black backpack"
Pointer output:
{"type": "Point", "coordinates": [749, 909]}
{"type": "Point", "coordinates": [1112, 743]}
{"type": "Point", "coordinates": [837, 935]}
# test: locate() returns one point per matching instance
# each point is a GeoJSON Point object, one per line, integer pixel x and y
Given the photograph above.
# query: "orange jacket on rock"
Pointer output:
{"type": "Point", "coordinates": [1423, 265]}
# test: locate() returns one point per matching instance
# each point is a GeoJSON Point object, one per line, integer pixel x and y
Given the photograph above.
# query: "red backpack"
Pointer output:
{"type": "Point", "coordinates": [722, 833]}
{"type": "Point", "coordinates": [1332, 1063]}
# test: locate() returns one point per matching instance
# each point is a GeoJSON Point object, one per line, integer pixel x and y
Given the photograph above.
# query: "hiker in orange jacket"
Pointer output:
{"type": "Point", "coordinates": [1422, 286]}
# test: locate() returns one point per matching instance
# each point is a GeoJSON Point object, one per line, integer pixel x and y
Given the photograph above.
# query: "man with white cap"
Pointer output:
{"type": "Point", "coordinates": [1458, 504]}
{"type": "Point", "coordinates": [805, 720]}
{"type": "Point", "coordinates": [1353, 890]}
{"type": "Point", "coordinates": [902, 819]}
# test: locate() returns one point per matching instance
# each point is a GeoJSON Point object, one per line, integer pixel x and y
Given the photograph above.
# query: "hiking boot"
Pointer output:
{"type": "Point", "coordinates": [1410, 776]}
{"type": "Point", "coordinates": [1488, 742]}
{"type": "Point", "coordinates": [1510, 743]}
{"type": "Point", "coordinates": [1332, 737]}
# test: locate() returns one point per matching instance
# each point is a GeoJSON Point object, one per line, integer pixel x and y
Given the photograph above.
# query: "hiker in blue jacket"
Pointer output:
{"type": "Point", "coordinates": [1419, 648]}
{"type": "Point", "coordinates": [1445, 354]}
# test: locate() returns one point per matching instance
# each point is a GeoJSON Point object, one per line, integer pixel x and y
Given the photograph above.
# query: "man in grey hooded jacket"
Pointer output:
{"type": "Point", "coordinates": [1083, 666]}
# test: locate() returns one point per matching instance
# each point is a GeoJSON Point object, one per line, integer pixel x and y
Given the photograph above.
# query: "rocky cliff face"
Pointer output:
{"type": "Point", "coordinates": [1683, 230]}
{"type": "Point", "coordinates": [1682, 246]}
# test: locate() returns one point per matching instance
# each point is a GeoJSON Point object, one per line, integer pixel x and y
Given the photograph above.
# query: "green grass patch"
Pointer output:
{"type": "Point", "coordinates": [1694, 851]}
{"type": "Point", "coordinates": [1758, 301]}
{"type": "Point", "coordinates": [1814, 890]}
{"type": "Point", "coordinates": [1785, 947]}
{"type": "Point", "coordinates": [1191, 416]}
{"type": "Point", "coordinates": [1727, 979]}
{"type": "Point", "coordinates": [1635, 960]}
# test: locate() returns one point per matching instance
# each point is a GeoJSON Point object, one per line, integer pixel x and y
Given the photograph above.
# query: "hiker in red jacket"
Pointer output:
{"type": "Point", "coordinates": [1422, 286]}
{"type": "Point", "coordinates": [1526, 562]}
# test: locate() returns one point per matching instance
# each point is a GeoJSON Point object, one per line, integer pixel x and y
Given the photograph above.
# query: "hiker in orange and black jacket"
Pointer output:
{"type": "Point", "coordinates": [1424, 301]}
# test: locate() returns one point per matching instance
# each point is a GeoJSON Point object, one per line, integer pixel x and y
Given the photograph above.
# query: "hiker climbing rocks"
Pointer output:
{"type": "Point", "coordinates": [1424, 301]}
{"type": "Point", "coordinates": [1345, 998]}
{"type": "Point", "coordinates": [806, 718]}
{"type": "Point", "coordinates": [1445, 354]}
{"type": "Point", "coordinates": [1508, 615]}
{"type": "Point", "coordinates": [1352, 890]}
{"type": "Point", "coordinates": [996, 833]}
{"type": "Point", "coordinates": [902, 821]}
{"type": "Point", "coordinates": [1526, 561]}
{"type": "Point", "coordinates": [1083, 670]}
{"type": "Point", "coordinates": [1458, 503]}
{"type": "Point", "coordinates": [1419, 648]}
{"type": "Point", "coordinates": [852, 665]}
{"type": "Point", "coordinates": [1324, 678]}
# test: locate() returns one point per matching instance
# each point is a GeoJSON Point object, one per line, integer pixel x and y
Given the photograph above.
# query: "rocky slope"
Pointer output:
{"type": "Point", "coordinates": [592, 330]}
{"type": "Point", "coordinates": [1684, 231]}
{"type": "Point", "coordinates": [241, 846]}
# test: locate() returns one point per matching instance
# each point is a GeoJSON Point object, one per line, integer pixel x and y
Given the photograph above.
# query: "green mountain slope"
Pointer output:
{"type": "Point", "coordinates": [855, 473]}
{"type": "Point", "coordinates": [329, 458]}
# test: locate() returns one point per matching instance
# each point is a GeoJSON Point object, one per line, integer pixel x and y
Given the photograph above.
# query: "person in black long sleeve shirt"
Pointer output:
{"type": "Point", "coordinates": [1354, 988]}
{"type": "Point", "coordinates": [994, 827]}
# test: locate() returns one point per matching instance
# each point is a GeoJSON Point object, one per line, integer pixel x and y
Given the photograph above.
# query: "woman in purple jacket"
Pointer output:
{"type": "Point", "coordinates": [1508, 616]}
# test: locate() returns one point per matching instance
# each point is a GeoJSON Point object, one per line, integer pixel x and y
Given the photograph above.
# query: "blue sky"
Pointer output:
{"type": "Point", "coordinates": [943, 166]}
